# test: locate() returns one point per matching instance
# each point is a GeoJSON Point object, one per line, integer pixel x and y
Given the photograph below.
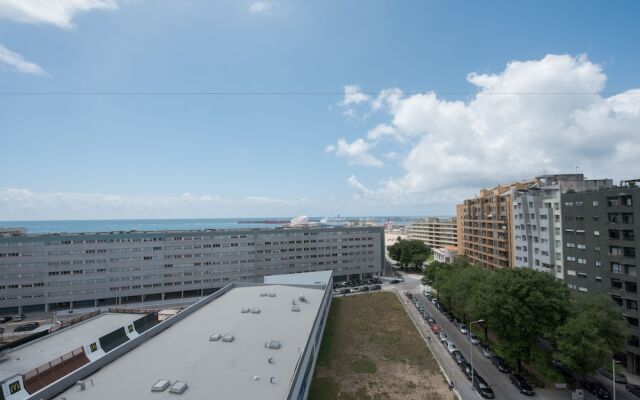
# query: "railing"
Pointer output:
{"type": "Point", "coordinates": [50, 372]}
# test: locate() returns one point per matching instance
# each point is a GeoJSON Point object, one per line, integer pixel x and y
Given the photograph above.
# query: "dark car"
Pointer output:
{"type": "Point", "coordinates": [395, 281]}
{"type": "Point", "coordinates": [521, 384]}
{"type": "Point", "coordinates": [375, 287]}
{"type": "Point", "coordinates": [501, 364]}
{"type": "Point", "coordinates": [345, 291]}
{"type": "Point", "coordinates": [458, 357]}
{"type": "Point", "coordinates": [5, 319]}
{"type": "Point", "coordinates": [466, 369]}
{"type": "Point", "coordinates": [27, 327]}
{"type": "Point", "coordinates": [482, 387]}
{"type": "Point", "coordinates": [431, 321]}
{"type": "Point", "coordinates": [597, 389]}
{"type": "Point", "coordinates": [364, 289]}
{"type": "Point", "coordinates": [634, 389]}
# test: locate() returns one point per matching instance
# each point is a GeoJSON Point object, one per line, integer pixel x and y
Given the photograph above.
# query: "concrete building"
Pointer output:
{"type": "Point", "coordinates": [601, 252]}
{"type": "Point", "coordinates": [445, 254]}
{"type": "Point", "coordinates": [537, 220]}
{"type": "Point", "coordinates": [435, 232]}
{"type": "Point", "coordinates": [484, 226]}
{"type": "Point", "coordinates": [69, 271]}
{"type": "Point", "coordinates": [246, 341]}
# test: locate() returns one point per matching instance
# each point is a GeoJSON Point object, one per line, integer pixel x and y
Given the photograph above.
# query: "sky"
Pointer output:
{"type": "Point", "coordinates": [244, 108]}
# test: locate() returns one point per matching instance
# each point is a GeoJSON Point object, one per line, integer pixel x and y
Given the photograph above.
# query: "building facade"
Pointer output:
{"type": "Point", "coordinates": [484, 226]}
{"type": "Point", "coordinates": [435, 232]}
{"type": "Point", "coordinates": [601, 252]}
{"type": "Point", "coordinates": [66, 271]}
{"type": "Point", "coordinates": [445, 254]}
{"type": "Point", "coordinates": [537, 220]}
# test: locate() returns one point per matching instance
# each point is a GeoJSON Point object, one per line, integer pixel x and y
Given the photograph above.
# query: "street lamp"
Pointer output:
{"type": "Point", "coordinates": [471, 349]}
{"type": "Point", "coordinates": [613, 375]}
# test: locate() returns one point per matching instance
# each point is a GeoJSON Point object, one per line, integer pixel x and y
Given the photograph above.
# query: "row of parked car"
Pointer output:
{"type": "Point", "coordinates": [479, 383]}
{"type": "Point", "coordinates": [358, 289]}
{"type": "Point", "coordinates": [593, 386]}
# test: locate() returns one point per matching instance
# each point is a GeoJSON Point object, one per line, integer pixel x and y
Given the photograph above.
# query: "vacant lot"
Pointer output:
{"type": "Point", "coordinates": [371, 350]}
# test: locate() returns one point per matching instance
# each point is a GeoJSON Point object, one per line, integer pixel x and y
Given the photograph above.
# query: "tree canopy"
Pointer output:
{"type": "Point", "coordinates": [409, 253]}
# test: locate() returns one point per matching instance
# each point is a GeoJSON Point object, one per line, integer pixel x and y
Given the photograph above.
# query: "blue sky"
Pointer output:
{"type": "Point", "coordinates": [203, 155]}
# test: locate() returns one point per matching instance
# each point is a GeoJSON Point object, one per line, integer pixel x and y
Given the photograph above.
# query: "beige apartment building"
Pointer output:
{"type": "Point", "coordinates": [484, 226]}
{"type": "Point", "coordinates": [436, 233]}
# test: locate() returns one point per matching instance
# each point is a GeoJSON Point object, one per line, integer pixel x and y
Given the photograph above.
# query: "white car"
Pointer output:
{"type": "Point", "coordinates": [443, 336]}
{"type": "Point", "coordinates": [474, 339]}
{"type": "Point", "coordinates": [463, 329]}
{"type": "Point", "coordinates": [451, 347]}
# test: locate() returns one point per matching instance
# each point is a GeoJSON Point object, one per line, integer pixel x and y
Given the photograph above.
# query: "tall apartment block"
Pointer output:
{"type": "Point", "coordinates": [484, 226]}
{"type": "Point", "coordinates": [66, 271]}
{"type": "Point", "coordinates": [601, 252]}
{"type": "Point", "coordinates": [537, 220]}
{"type": "Point", "coordinates": [436, 233]}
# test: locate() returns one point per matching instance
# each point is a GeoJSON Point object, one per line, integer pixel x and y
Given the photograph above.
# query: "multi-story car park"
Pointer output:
{"type": "Point", "coordinates": [600, 248]}
{"type": "Point", "coordinates": [436, 233]}
{"type": "Point", "coordinates": [537, 220]}
{"type": "Point", "coordinates": [66, 271]}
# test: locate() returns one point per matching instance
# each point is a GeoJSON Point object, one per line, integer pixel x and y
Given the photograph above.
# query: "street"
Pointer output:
{"type": "Point", "coordinates": [499, 382]}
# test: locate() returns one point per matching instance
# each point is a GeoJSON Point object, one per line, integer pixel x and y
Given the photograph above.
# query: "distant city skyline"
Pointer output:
{"type": "Point", "coordinates": [112, 109]}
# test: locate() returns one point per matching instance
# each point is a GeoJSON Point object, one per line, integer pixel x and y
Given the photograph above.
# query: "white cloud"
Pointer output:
{"type": "Point", "coordinates": [356, 152]}
{"type": "Point", "coordinates": [260, 7]}
{"type": "Point", "coordinates": [24, 204]}
{"type": "Point", "coordinates": [16, 62]}
{"type": "Point", "coordinates": [54, 12]}
{"type": "Point", "coordinates": [547, 115]}
{"type": "Point", "coordinates": [361, 190]}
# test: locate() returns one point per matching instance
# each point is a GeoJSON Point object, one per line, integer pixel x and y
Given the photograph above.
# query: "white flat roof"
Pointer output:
{"type": "Point", "coordinates": [40, 351]}
{"type": "Point", "coordinates": [304, 278]}
{"type": "Point", "coordinates": [215, 369]}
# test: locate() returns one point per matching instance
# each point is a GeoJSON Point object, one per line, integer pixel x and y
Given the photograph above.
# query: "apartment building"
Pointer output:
{"type": "Point", "coordinates": [436, 233]}
{"type": "Point", "coordinates": [67, 271]}
{"type": "Point", "coordinates": [484, 226]}
{"type": "Point", "coordinates": [537, 220]}
{"type": "Point", "coordinates": [601, 252]}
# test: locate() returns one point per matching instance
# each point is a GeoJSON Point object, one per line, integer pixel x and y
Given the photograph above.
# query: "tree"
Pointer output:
{"type": "Point", "coordinates": [522, 306]}
{"type": "Point", "coordinates": [409, 252]}
{"type": "Point", "coordinates": [592, 333]}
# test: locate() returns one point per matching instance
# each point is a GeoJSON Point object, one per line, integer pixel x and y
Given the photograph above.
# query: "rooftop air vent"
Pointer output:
{"type": "Point", "coordinates": [295, 308]}
{"type": "Point", "coordinates": [245, 310]}
{"type": "Point", "coordinates": [228, 338]}
{"type": "Point", "coordinates": [302, 298]}
{"type": "Point", "coordinates": [215, 337]}
{"type": "Point", "coordinates": [263, 294]}
{"type": "Point", "coordinates": [178, 387]}
{"type": "Point", "coordinates": [255, 310]}
{"type": "Point", "coordinates": [274, 344]}
{"type": "Point", "coordinates": [160, 386]}
{"type": "Point", "coordinates": [272, 294]}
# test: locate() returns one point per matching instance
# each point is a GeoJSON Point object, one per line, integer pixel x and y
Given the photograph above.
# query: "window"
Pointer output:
{"type": "Point", "coordinates": [596, 233]}
{"type": "Point", "coordinates": [595, 203]}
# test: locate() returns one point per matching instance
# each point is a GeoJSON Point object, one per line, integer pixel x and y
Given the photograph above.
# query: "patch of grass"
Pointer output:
{"type": "Point", "coordinates": [364, 366]}
{"type": "Point", "coordinates": [324, 388]}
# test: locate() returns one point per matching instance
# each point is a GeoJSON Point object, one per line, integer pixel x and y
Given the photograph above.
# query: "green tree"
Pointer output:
{"type": "Point", "coordinates": [592, 333]}
{"type": "Point", "coordinates": [409, 253]}
{"type": "Point", "coordinates": [522, 306]}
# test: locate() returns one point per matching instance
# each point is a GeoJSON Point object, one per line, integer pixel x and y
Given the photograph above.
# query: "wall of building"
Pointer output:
{"type": "Point", "coordinates": [435, 232]}
{"type": "Point", "coordinates": [601, 251]}
{"type": "Point", "coordinates": [46, 272]}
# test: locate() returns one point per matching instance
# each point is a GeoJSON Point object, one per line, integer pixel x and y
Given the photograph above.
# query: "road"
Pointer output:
{"type": "Point", "coordinates": [498, 381]}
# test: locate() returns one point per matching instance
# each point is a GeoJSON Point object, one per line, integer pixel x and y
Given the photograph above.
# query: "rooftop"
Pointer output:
{"type": "Point", "coordinates": [34, 354]}
{"type": "Point", "coordinates": [244, 368]}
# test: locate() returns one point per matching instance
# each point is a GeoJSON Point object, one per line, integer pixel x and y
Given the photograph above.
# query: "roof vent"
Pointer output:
{"type": "Point", "coordinates": [245, 310]}
{"type": "Point", "coordinates": [270, 360]}
{"type": "Point", "coordinates": [272, 380]}
{"type": "Point", "coordinates": [295, 308]}
{"type": "Point", "coordinates": [160, 386]}
{"type": "Point", "coordinates": [263, 294]}
{"type": "Point", "coordinates": [228, 338]}
{"type": "Point", "coordinates": [274, 344]}
{"type": "Point", "coordinates": [272, 294]}
{"type": "Point", "coordinates": [178, 387]}
{"type": "Point", "coordinates": [215, 337]}
{"type": "Point", "coordinates": [255, 310]}
{"type": "Point", "coordinates": [302, 298]}
{"type": "Point", "coordinates": [256, 378]}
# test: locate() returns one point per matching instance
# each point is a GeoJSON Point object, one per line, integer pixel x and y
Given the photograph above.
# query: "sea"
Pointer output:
{"type": "Point", "coordinates": [114, 225]}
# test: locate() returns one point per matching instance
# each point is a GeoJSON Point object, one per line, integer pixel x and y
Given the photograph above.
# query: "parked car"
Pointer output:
{"type": "Point", "coordinates": [620, 378]}
{"type": "Point", "coordinates": [375, 287]}
{"type": "Point", "coordinates": [345, 291]}
{"type": "Point", "coordinates": [27, 327]}
{"type": "Point", "coordinates": [435, 328]}
{"type": "Point", "coordinates": [431, 321]}
{"type": "Point", "coordinates": [474, 339]}
{"type": "Point", "coordinates": [501, 364]}
{"type": "Point", "coordinates": [442, 336]}
{"type": "Point", "coordinates": [466, 369]}
{"type": "Point", "coordinates": [521, 384]}
{"type": "Point", "coordinates": [458, 356]}
{"type": "Point", "coordinates": [486, 351]}
{"type": "Point", "coordinates": [634, 389]}
{"type": "Point", "coordinates": [451, 347]}
{"type": "Point", "coordinates": [463, 329]}
{"type": "Point", "coordinates": [394, 281]}
{"type": "Point", "coordinates": [408, 294]}
{"type": "Point", "coordinates": [18, 317]}
{"type": "Point", "coordinates": [364, 289]}
{"type": "Point", "coordinates": [564, 369]}
{"type": "Point", "coordinates": [482, 387]}
{"type": "Point", "coordinates": [596, 388]}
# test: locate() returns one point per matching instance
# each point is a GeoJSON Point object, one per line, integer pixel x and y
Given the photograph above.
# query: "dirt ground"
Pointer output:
{"type": "Point", "coordinates": [371, 350]}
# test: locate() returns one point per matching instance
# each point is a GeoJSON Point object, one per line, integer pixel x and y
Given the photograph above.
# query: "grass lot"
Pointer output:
{"type": "Point", "coordinates": [371, 350]}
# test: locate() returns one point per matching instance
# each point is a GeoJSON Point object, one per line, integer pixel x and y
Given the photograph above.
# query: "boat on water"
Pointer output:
{"type": "Point", "coordinates": [335, 221]}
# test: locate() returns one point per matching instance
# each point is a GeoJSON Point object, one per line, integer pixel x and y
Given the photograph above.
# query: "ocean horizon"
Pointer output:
{"type": "Point", "coordinates": [115, 225]}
